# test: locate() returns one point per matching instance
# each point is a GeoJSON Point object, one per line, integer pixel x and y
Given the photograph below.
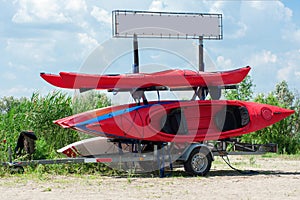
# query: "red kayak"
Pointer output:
{"type": "Point", "coordinates": [177, 121]}
{"type": "Point", "coordinates": [169, 78]}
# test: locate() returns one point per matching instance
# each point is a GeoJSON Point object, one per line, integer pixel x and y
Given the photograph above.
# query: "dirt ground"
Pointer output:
{"type": "Point", "coordinates": [277, 178]}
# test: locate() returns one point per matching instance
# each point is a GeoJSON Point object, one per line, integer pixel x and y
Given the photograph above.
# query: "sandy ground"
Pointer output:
{"type": "Point", "coordinates": [277, 178]}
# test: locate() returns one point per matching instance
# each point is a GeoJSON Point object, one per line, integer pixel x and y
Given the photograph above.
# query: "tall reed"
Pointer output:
{"type": "Point", "coordinates": [38, 113]}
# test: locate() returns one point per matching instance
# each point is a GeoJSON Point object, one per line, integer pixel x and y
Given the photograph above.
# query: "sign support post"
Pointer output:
{"type": "Point", "coordinates": [135, 55]}
{"type": "Point", "coordinates": [201, 56]}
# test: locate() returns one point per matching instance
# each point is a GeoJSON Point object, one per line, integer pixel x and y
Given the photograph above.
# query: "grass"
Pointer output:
{"type": "Point", "coordinates": [48, 189]}
{"type": "Point", "coordinates": [282, 156]}
{"type": "Point", "coordinates": [252, 160]}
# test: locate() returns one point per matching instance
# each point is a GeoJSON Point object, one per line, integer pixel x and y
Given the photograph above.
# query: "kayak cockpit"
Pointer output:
{"type": "Point", "coordinates": [231, 118]}
{"type": "Point", "coordinates": [174, 122]}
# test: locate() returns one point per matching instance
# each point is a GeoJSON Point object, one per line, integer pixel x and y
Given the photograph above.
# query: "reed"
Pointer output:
{"type": "Point", "coordinates": [37, 113]}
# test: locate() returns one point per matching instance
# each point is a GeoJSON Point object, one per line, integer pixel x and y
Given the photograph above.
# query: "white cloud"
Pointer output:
{"type": "Point", "coordinates": [17, 91]}
{"type": "Point", "coordinates": [257, 5]}
{"type": "Point", "coordinates": [216, 6]}
{"type": "Point", "coordinates": [18, 67]}
{"type": "Point", "coordinates": [33, 50]}
{"type": "Point", "coordinates": [264, 57]}
{"type": "Point", "coordinates": [157, 5]}
{"type": "Point", "coordinates": [268, 57]}
{"type": "Point", "coordinates": [265, 19]}
{"type": "Point", "coordinates": [39, 11]}
{"type": "Point", "coordinates": [265, 65]}
{"type": "Point", "coordinates": [88, 41]}
{"type": "Point", "coordinates": [223, 63]}
{"type": "Point", "coordinates": [274, 8]}
{"type": "Point", "coordinates": [284, 73]}
{"type": "Point", "coordinates": [76, 5]}
{"type": "Point", "coordinates": [291, 34]}
{"type": "Point", "coordinates": [239, 30]}
{"type": "Point", "coordinates": [283, 12]}
{"type": "Point", "coordinates": [289, 67]}
{"type": "Point", "coordinates": [101, 15]}
{"type": "Point", "coordinates": [9, 76]}
{"type": "Point", "coordinates": [296, 35]}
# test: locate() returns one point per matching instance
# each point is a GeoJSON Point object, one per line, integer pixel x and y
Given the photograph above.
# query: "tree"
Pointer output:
{"type": "Point", "coordinates": [243, 92]}
{"type": "Point", "coordinates": [284, 95]}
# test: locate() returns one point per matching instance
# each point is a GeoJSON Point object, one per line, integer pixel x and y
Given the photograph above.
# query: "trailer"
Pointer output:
{"type": "Point", "coordinates": [195, 158]}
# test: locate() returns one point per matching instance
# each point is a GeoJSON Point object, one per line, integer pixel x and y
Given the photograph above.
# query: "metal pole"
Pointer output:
{"type": "Point", "coordinates": [135, 55]}
{"type": "Point", "coordinates": [202, 92]}
{"type": "Point", "coordinates": [201, 57]}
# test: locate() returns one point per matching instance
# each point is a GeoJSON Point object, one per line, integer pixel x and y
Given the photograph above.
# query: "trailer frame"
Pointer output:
{"type": "Point", "coordinates": [200, 153]}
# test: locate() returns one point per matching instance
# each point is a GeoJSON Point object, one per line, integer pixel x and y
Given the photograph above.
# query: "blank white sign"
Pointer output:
{"type": "Point", "coordinates": [167, 25]}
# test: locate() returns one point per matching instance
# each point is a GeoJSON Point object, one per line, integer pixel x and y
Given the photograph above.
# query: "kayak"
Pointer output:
{"type": "Point", "coordinates": [170, 78]}
{"type": "Point", "coordinates": [177, 121]}
{"type": "Point", "coordinates": [90, 148]}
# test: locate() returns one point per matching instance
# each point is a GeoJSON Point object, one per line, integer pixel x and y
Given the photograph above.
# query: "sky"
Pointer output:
{"type": "Point", "coordinates": [76, 35]}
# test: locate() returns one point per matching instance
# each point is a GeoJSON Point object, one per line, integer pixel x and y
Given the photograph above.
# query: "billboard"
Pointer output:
{"type": "Point", "coordinates": [167, 25]}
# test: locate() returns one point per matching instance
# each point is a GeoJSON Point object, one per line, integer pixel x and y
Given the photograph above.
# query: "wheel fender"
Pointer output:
{"type": "Point", "coordinates": [185, 156]}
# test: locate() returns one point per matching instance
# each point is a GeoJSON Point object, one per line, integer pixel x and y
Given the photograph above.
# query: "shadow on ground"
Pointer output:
{"type": "Point", "coordinates": [214, 173]}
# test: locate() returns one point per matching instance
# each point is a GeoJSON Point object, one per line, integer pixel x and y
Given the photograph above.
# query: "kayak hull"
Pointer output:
{"type": "Point", "coordinates": [90, 148]}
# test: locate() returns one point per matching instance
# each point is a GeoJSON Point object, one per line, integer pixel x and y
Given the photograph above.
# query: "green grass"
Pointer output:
{"type": "Point", "coordinates": [282, 156]}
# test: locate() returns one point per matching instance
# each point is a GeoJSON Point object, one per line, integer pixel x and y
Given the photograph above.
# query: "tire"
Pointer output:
{"type": "Point", "coordinates": [199, 162]}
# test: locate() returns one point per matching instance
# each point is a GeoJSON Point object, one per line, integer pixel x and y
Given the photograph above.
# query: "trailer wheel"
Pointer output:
{"type": "Point", "coordinates": [199, 162]}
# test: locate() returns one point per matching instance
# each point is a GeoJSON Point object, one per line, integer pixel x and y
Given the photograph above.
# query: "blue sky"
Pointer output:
{"type": "Point", "coordinates": [60, 35]}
